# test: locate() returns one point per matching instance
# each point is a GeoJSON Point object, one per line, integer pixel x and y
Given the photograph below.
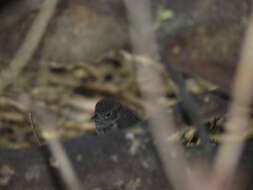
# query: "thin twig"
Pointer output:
{"type": "Point", "coordinates": [6, 101]}
{"type": "Point", "coordinates": [112, 90]}
{"type": "Point", "coordinates": [237, 125]}
{"type": "Point", "coordinates": [33, 126]}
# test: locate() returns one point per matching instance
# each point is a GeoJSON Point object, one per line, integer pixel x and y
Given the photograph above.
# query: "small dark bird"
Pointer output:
{"type": "Point", "coordinates": [110, 113]}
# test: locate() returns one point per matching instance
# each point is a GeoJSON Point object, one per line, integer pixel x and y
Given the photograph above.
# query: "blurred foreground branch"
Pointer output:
{"type": "Point", "coordinates": [48, 127]}
{"type": "Point", "coordinates": [144, 43]}
{"type": "Point", "coordinates": [239, 114]}
{"type": "Point", "coordinates": [29, 45]}
{"type": "Point", "coordinates": [8, 76]}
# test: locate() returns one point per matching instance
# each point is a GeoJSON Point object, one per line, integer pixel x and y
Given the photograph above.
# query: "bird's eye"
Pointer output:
{"type": "Point", "coordinates": [107, 115]}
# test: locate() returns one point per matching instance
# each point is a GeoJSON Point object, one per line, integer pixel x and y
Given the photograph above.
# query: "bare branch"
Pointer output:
{"type": "Point", "coordinates": [49, 132]}
{"type": "Point", "coordinates": [144, 43]}
{"type": "Point", "coordinates": [21, 58]}
{"type": "Point", "coordinates": [237, 125]}
{"type": "Point", "coordinates": [29, 45]}
{"type": "Point", "coordinates": [34, 129]}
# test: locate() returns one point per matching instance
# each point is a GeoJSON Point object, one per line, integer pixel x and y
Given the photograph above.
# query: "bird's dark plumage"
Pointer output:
{"type": "Point", "coordinates": [109, 113]}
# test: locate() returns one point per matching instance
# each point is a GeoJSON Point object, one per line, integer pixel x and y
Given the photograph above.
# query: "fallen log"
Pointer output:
{"type": "Point", "coordinates": [108, 161]}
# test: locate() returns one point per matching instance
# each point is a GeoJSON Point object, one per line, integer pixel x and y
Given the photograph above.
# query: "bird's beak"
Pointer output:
{"type": "Point", "coordinates": [93, 117]}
